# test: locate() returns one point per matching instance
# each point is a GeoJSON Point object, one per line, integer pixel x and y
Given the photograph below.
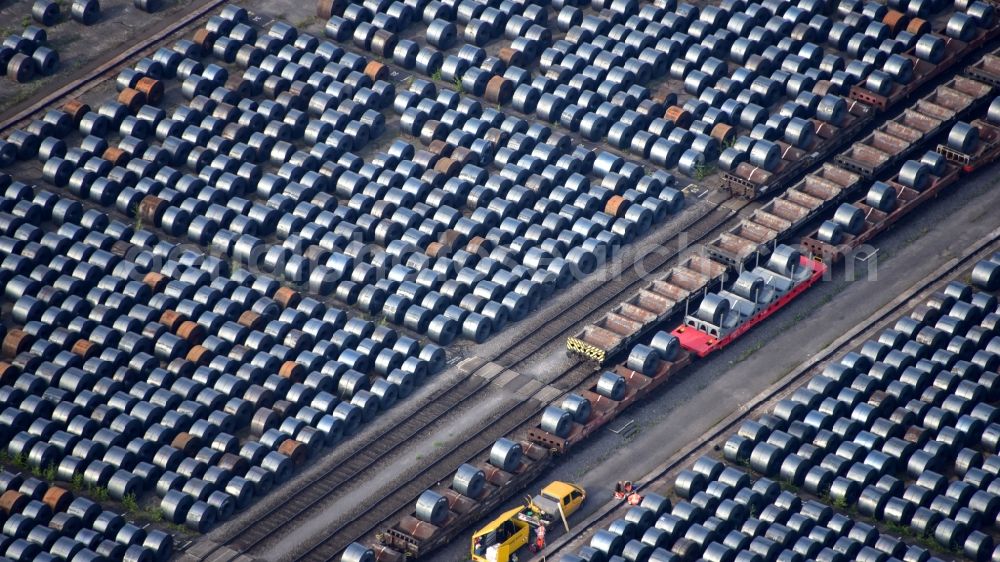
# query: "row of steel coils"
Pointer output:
{"type": "Point", "coordinates": [880, 428]}
{"type": "Point", "coordinates": [296, 223]}
{"type": "Point", "coordinates": [96, 403]}
{"type": "Point", "coordinates": [47, 523]}
{"type": "Point", "coordinates": [877, 431]}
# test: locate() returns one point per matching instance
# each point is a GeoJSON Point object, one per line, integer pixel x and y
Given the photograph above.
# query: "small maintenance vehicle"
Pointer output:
{"type": "Point", "coordinates": [528, 524]}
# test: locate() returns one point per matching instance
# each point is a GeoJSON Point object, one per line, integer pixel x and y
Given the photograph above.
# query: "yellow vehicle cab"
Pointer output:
{"type": "Point", "coordinates": [501, 538]}
{"type": "Point", "coordinates": [568, 497]}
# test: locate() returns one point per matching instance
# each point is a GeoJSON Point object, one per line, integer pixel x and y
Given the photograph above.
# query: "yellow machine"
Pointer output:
{"type": "Point", "coordinates": [501, 538]}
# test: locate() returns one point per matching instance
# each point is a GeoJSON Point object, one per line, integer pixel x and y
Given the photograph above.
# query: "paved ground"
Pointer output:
{"type": "Point", "coordinates": [715, 388]}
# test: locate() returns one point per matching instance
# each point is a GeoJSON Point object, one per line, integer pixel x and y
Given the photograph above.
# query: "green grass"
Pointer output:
{"type": "Point", "coordinates": [458, 85]}
{"type": "Point", "coordinates": [703, 171]}
{"type": "Point", "coordinates": [130, 504]}
{"type": "Point", "coordinates": [436, 75]}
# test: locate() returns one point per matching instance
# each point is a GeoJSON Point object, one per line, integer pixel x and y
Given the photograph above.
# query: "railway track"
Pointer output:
{"type": "Point", "coordinates": [363, 457]}
{"type": "Point", "coordinates": [660, 478]}
{"type": "Point", "coordinates": [94, 75]}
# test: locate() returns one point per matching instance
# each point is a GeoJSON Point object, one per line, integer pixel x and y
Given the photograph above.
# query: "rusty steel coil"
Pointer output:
{"type": "Point", "coordinates": [152, 88]}
{"type": "Point", "coordinates": [204, 39]}
{"type": "Point", "coordinates": [132, 99]}
{"type": "Point", "coordinates": [680, 116]}
{"type": "Point", "coordinates": [16, 341]}
{"type": "Point", "coordinates": [723, 133]}
{"type": "Point", "coordinates": [152, 208]}
{"type": "Point", "coordinates": [85, 349]}
{"type": "Point", "coordinates": [918, 26]}
{"type": "Point", "coordinates": [191, 331]}
{"type": "Point", "coordinates": [288, 298]}
{"type": "Point", "coordinates": [447, 166]}
{"type": "Point", "coordinates": [512, 57]}
{"type": "Point", "coordinates": [172, 319]}
{"type": "Point", "coordinates": [896, 21]}
{"type": "Point", "coordinates": [199, 355]}
{"type": "Point", "coordinates": [326, 9]}
{"type": "Point", "coordinates": [292, 371]}
{"type": "Point", "coordinates": [616, 206]}
{"type": "Point", "coordinates": [499, 90]}
{"type": "Point", "coordinates": [155, 281]}
{"type": "Point", "coordinates": [296, 452]}
{"type": "Point", "coordinates": [376, 70]}
{"type": "Point", "coordinates": [76, 109]}
{"type": "Point", "coordinates": [116, 156]}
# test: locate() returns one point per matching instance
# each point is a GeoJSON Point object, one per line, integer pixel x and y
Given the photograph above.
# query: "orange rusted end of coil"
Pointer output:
{"type": "Point", "coordinates": [250, 319]}
{"type": "Point", "coordinates": [116, 156]}
{"type": "Point", "coordinates": [12, 502]}
{"type": "Point", "coordinates": [499, 90]}
{"type": "Point", "coordinates": [204, 39]}
{"type": "Point", "coordinates": [896, 21]}
{"type": "Point", "coordinates": [192, 332]}
{"type": "Point", "coordinates": [58, 499]}
{"type": "Point", "coordinates": [436, 249]}
{"type": "Point", "coordinates": [85, 349]}
{"type": "Point", "coordinates": [286, 297]}
{"type": "Point", "coordinates": [376, 70]}
{"type": "Point", "coordinates": [294, 450]}
{"type": "Point", "coordinates": [616, 206]}
{"type": "Point", "coordinates": [678, 115]}
{"type": "Point", "coordinates": [447, 166]}
{"type": "Point", "coordinates": [723, 133]}
{"type": "Point", "coordinates": [76, 109]}
{"type": "Point", "coordinates": [16, 341]}
{"type": "Point", "coordinates": [155, 281]}
{"type": "Point", "coordinates": [199, 355]}
{"type": "Point", "coordinates": [292, 371]}
{"type": "Point", "coordinates": [153, 89]}
{"type": "Point", "coordinates": [461, 155]}
{"type": "Point", "coordinates": [476, 245]}
{"type": "Point", "coordinates": [8, 373]}
{"type": "Point", "coordinates": [172, 319]}
{"type": "Point", "coordinates": [185, 443]}
{"type": "Point", "coordinates": [918, 26]}
{"type": "Point", "coordinates": [511, 57]}
{"type": "Point", "coordinates": [441, 148]}
{"type": "Point", "coordinates": [132, 99]}
{"type": "Point", "coordinates": [325, 9]}
{"type": "Point", "coordinates": [151, 209]}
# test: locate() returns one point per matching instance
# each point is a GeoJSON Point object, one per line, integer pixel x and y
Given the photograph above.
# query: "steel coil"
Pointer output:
{"type": "Point", "coordinates": [963, 138]}
{"type": "Point", "coordinates": [986, 275]}
{"type": "Point", "coordinates": [556, 421]}
{"type": "Point", "coordinates": [850, 218]}
{"type": "Point", "coordinates": [506, 454]}
{"type": "Point", "coordinates": [611, 385]}
{"type": "Point", "coordinates": [881, 196]}
{"type": "Point", "coordinates": [469, 481]}
{"type": "Point", "coordinates": [914, 174]}
{"type": "Point", "coordinates": [356, 552]}
{"type": "Point", "coordinates": [45, 12]}
{"type": "Point", "coordinates": [961, 26]}
{"type": "Point", "coordinates": [643, 359]}
{"type": "Point", "coordinates": [578, 406]}
{"type": "Point", "coordinates": [830, 232]}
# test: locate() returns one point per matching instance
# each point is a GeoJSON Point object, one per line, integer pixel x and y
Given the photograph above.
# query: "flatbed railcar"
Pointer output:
{"type": "Point", "coordinates": [876, 221]}
{"type": "Point", "coordinates": [750, 182]}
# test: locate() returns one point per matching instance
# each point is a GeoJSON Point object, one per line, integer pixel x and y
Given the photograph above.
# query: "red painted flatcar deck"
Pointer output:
{"type": "Point", "coordinates": [701, 343]}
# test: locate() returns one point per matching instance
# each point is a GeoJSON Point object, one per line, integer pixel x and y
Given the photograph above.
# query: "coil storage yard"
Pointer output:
{"type": "Point", "coordinates": [338, 281]}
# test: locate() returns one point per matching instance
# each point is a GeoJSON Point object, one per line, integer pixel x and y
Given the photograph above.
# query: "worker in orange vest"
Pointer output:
{"type": "Point", "coordinates": [540, 539]}
{"type": "Point", "coordinates": [634, 498]}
